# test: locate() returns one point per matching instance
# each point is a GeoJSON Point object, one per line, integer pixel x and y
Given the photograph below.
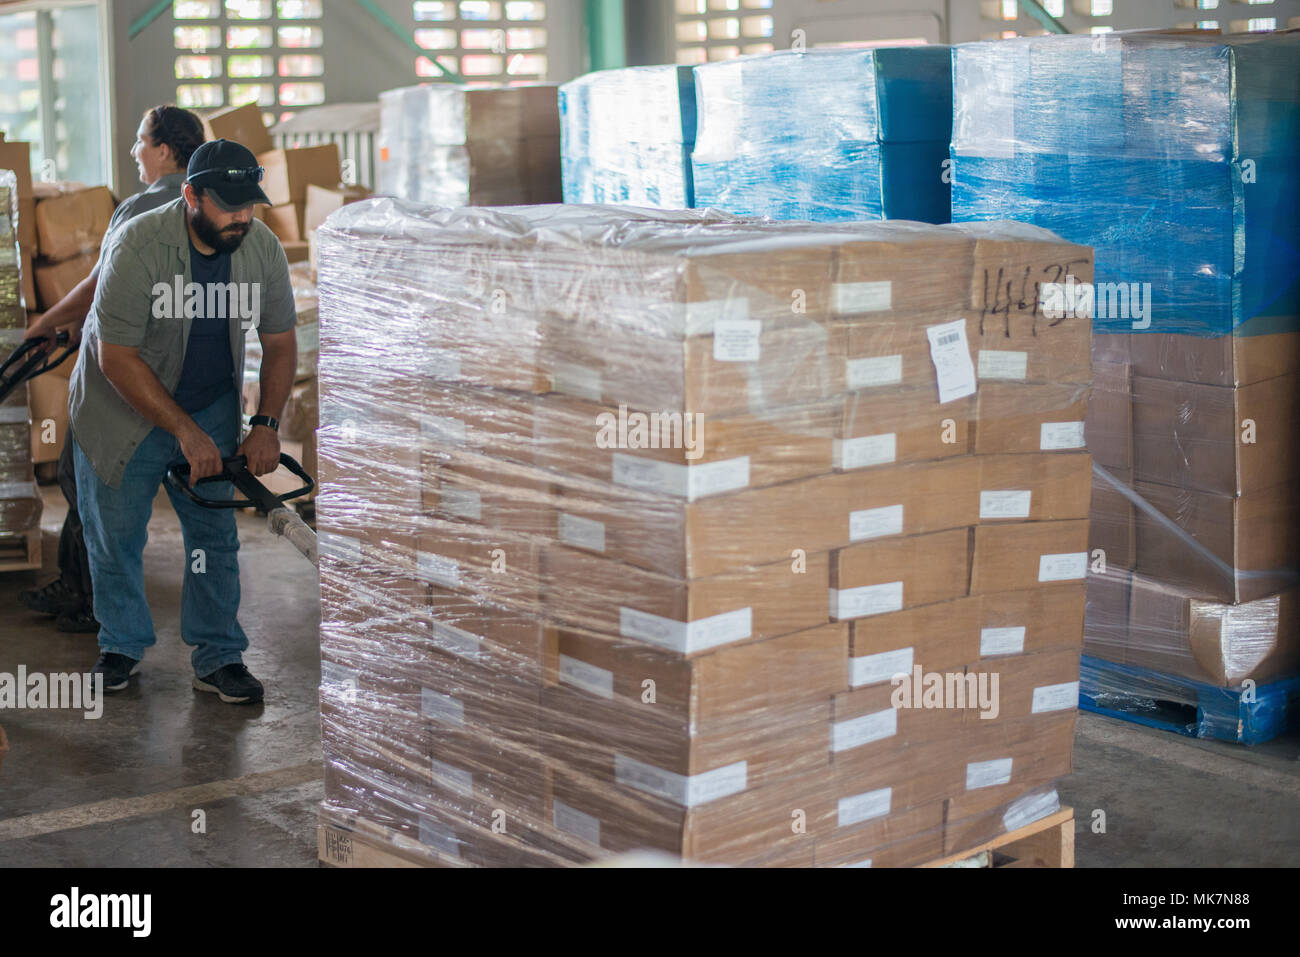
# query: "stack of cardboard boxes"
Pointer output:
{"type": "Point", "coordinates": [20, 500]}
{"type": "Point", "coordinates": [578, 540]}
{"type": "Point", "coordinates": [470, 145]}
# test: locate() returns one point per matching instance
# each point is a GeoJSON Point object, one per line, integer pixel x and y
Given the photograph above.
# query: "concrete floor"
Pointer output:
{"type": "Point", "coordinates": [122, 790]}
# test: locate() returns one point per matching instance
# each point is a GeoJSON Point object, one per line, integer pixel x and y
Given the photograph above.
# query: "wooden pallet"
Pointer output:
{"type": "Point", "coordinates": [362, 844]}
{"type": "Point", "coordinates": [1047, 842]}
{"type": "Point", "coordinates": [21, 553]}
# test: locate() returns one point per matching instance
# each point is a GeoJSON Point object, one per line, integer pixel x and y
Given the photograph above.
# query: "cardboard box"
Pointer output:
{"type": "Point", "coordinates": [1029, 417]}
{"type": "Point", "coordinates": [241, 124]}
{"type": "Point", "coordinates": [901, 426]}
{"type": "Point", "coordinates": [1236, 360]}
{"type": "Point", "coordinates": [1216, 546]}
{"type": "Point", "coordinates": [1008, 285]}
{"type": "Point", "coordinates": [1213, 438]}
{"type": "Point", "coordinates": [488, 564]}
{"type": "Point", "coordinates": [908, 499]}
{"type": "Point", "coordinates": [17, 156]}
{"type": "Point", "coordinates": [74, 223]}
{"type": "Point", "coordinates": [898, 779]}
{"type": "Point", "coordinates": [322, 200]}
{"type": "Point", "coordinates": [463, 487]}
{"type": "Point", "coordinates": [1022, 556]}
{"type": "Point", "coordinates": [1111, 348]}
{"type": "Point", "coordinates": [27, 234]}
{"type": "Point", "coordinates": [48, 398]}
{"type": "Point", "coordinates": [938, 637]}
{"type": "Point", "coordinates": [1105, 624]}
{"type": "Point", "coordinates": [56, 280]}
{"type": "Point", "coordinates": [868, 721]}
{"type": "Point", "coordinates": [686, 617]}
{"type": "Point", "coordinates": [924, 277]}
{"type": "Point", "coordinates": [875, 578]}
{"type": "Point", "coordinates": [887, 351]}
{"type": "Point", "coordinates": [1113, 530]}
{"type": "Point", "coordinates": [1006, 760]}
{"type": "Point", "coordinates": [1034, 685]}
{"type": "Point", "coordinates": [706, 456]}
{"type": "Point", "coordinates": [900, 840]}
{"type": "Point", "coordinates": [289, 172]}
{"type": "Point", "coordinates": [1109, 420]}
{"type": "Point", "coordinates": [488, 422]}
{"type": "Point", "coordinates": [964, 834]}
{"type": "Point", "coordinates": [713, 535]}
{"type": "Point", "coordinates": [1034, 487]}
{"type": "Point", "coordinates": [295, 252]}
{"type": "Point", "coordinates": [283, 221]}
{"type": "Point", "coordinates": [543, 182]}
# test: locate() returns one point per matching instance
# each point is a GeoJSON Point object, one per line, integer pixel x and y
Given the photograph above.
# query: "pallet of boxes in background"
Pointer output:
{"type": "Point", "coordinates": [20, 499]}
{"type": "Point", "coordinates": [579, 535]}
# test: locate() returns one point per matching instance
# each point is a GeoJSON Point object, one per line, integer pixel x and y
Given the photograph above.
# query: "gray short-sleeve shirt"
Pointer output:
{"type": "Point", "coordinates": [139, 302]}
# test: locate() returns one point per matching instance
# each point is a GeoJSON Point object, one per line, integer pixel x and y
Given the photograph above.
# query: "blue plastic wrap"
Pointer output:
{"type": "Point", "coordinates": [1173, 157]}
{"type": "Point", "coordinates": [826, 135]}
{"type": "Point", "coordinates": [627, 137]}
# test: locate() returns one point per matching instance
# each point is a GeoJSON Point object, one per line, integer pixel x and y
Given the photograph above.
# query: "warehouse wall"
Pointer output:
{"type": "Point", "coordinates": [362, 59]}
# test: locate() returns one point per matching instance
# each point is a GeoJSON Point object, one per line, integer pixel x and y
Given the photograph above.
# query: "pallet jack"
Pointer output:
{"type": "Point", "coordinates": [282, 520]}
{"type": "Point", "coordinates": [29, 360]}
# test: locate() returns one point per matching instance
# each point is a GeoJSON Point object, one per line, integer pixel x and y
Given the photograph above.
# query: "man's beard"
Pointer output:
{"type": "Point", "coordinates": [222, 240]}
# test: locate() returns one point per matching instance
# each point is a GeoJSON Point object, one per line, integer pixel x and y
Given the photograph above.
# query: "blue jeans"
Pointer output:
{"type": "Point", "coordinates": [116, 522]}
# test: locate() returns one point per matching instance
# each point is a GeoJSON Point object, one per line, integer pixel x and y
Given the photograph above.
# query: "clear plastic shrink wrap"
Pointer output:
{"type": "Point", "coordinates": [20, 500]}
{"type": "Point", "coordinates": [469, 145]}
{"type": "Point", "coordinates": [547, 637]}
{"type": "Point", "coordinates": [1174, 157]}
{"type": "Point", "coordinates": [627, 137]}
{"type": "Point", "coordinates": [826, 135]}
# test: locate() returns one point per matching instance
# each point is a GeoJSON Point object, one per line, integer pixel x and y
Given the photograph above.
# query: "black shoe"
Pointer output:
{"type": "Point", "coordinates": [232, 684]}
{"type": "Point", "coordinates": [116, 669]}
{"type": "Point", "coordinates": [79, 622]}
{"type": "Point", "coordinates": [53, 599]}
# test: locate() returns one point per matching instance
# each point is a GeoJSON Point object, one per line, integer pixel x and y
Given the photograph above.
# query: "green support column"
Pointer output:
{"type": "Point", "coordinates": [606, 35]}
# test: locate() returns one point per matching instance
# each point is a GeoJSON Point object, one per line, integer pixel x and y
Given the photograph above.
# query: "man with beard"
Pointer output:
{"type": "Point", "coordinates": [157, 381]}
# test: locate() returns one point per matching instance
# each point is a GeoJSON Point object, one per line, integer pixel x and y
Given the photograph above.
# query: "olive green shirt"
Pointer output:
{"type": "Point", "coordinates": [142, 255]}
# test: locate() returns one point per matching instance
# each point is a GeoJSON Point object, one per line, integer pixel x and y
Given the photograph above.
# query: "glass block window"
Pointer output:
{"type": "Point", "coordinates": [232, 52]}
{"type": "Point", "coordinates": [719, 29]}
{"type": "Point", "coordinates": [482, 40]}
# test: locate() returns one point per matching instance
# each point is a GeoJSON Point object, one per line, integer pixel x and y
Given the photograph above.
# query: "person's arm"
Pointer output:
{"type": "Point", "coordinates": [70, 311]}
{"type": "Point", "coordinates": [279, 362]}
{"type": "Point", "coordinates": [136, 383]}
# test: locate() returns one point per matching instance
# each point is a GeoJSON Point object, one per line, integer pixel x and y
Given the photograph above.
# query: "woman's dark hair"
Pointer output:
{"type": "Point", "coordinates": [176, 128]}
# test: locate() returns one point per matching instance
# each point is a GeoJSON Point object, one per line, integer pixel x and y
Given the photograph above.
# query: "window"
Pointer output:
{"type": "Point", "coordinates": [1094, 8]}
{"type": "Point", "coordinates": [1055, 8]}
{"type": "Point", "coordinates": [502, 40]}
{"type": "Point", "coordinates": [709, 29]}
{"type": "Point", "coordinates": [232, 52]}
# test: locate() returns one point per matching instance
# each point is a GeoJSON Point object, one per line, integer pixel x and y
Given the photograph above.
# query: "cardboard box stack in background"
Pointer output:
{"type": "Point", "coordinates": [547, 638]}
{"type": "Point", "coordinates": [20, 500]}
{"type": "Point", "coordinates": [470, 145]}
{"type": "Point", "coordinates": [1173, 157]}
{"type": "Point", "coordinates": [627, 136]}
{"type": "Point", "coordinates": [870, 142]}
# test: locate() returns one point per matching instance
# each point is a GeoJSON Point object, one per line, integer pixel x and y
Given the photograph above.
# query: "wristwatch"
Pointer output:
{"type": "Point", "coordinates": [270, 422]}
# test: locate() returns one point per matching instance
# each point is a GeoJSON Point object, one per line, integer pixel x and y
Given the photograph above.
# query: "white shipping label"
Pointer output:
{"type": "Point", "coordinates": [1030, 808]}
{"type": "Point", "coordinates": [1003, 364]}
{"type": "Point", "coordinates": [736, 340]}
{"type": "Point", "coordinates": [439, 837]}
{"type": "Point", "coordinates": [1002, 641]}
{"type": "Point", "coordinates": [875, 522]}
{"type": "Point", "coordinates": [456, 641]}
{"type": "Point", "coordinates": [441, 707]}
{"type": "Point", "coordinates": [715, 477]}
{"type": "Point", "coordinates": [452, 778]}
{"type": "Point", "coordinates": [866, 863]}
{"type": "Point", "coordinates": [438, 569]}
{"type": "Point", "coordinates": [700, 318]}
{"type": "Point", "coordinates": [572, 821]}
{"type": "Point", "coordinates": [872, 669]}
{"type": "Point", "coordinates": [1055, 697]}
{"type": "Point", "coordinates": [865, 806]}
{"type": "Point", "coordinates": [573, 379]}
{"type": "Point", "coordinates": [1060, 435]}
{"type": "Point", "coordinates": [873, 371]}
{"type": "Point", "coordinates": [987, 774]}
{"type": "Point", "coordinates": [866, 450]}
{"type": "Point", "coordinates": [462, 502]}
{"type": "Point", "coordinates": [685, 481]}
{"type": "Point", "coordinates": [1065, 566]}
{"type": "Point", "coordinates": [340, 680]}
{"type": "Point", "coordinates": [688, 790]}
{"type": "Point", "coordinates": [686, 637]}
{"type": "Point", "coordinates": [866, 600]}
{"type": "Point", "coordinates": [582, 532]}
{"type": "Point", "coordinates": [864, 729]}
{"type": "Point", "coordinates": [586, 676]}
{"type": "Point", "coordinates": [848, 298]}
{"type": "Point", "coordinates": [341, 548]}
{"type": "Point", "coordinates": [950, 353]}
{"type": "Point", "coordinates": [439, 428]}
{"type": "Point", "coordinates": [442, 364]}
{"type": "Point", "coordinates": [1005, 504]}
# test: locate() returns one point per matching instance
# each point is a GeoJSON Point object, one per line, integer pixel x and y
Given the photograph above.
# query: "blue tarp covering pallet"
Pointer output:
{"type": "Point", "coordinates": [1188, 707]}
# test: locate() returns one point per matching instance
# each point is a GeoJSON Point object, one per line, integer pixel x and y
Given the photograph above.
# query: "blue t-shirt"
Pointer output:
{"type": "Point", "coordinates": [209, 369]}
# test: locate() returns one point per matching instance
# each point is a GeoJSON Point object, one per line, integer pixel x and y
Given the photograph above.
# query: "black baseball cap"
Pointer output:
{"type": "Point", "coordinates": [229, 173]}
